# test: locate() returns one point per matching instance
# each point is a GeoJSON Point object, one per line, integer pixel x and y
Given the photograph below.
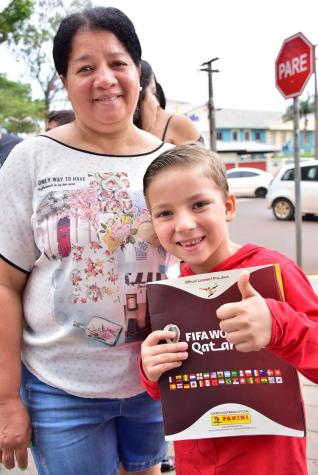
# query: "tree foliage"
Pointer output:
{"type": "Point", "coordinates": [18, 112]}
{"type": "Point", "coordinates": [32, 44]}
{"type": "Point", "coordinates": [12, 17]}
{"type": "Point", "coordinates": [306, 107]}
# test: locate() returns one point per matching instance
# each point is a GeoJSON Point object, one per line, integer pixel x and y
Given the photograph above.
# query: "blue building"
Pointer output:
{"type": "Point", "coordinates": [238, 126]}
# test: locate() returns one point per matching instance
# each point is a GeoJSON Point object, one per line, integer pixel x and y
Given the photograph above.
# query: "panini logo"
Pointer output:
{"type": "Point", "coordinates": [231, 419]}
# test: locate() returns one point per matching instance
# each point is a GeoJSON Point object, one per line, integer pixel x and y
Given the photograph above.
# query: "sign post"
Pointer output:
{"type": "Point", "coordinates": [293, 67]}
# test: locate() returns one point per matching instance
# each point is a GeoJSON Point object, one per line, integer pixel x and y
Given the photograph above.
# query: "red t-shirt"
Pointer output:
{"type": "Point", "coordinates": [294, 339]}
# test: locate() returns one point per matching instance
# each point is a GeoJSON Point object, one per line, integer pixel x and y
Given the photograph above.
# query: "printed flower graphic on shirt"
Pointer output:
{"type": "Point", "coordinates": [112, 276]}
{"type": "Point", "coordinates": [103, 219]}
{"type": "Point", "coordinates": [76, 277]}
{"type": "Point", "coordinates": [118, 233]}
{"type": "Point", "coordinates": [77, 253]}
{"type": "Point", "coordinates": [94, 293]}
{"type": "Point", "coordinates": [77, 290]}
{"type": "Point", "coordinates": [95, 246]}
{"type": "Point", "coordinates": [92, 268]}
{"type": "Point", "coordinates": [84, 205]}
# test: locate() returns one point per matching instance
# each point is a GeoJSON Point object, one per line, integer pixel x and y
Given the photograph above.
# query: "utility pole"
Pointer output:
{"type": "Point", "coordinates": [211, 109]}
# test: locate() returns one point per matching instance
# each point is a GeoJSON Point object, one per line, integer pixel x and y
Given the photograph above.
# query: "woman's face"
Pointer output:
{"type": "Point", "coordinates": [149, 105]}
{"type": "Point", "coordinates": [102, 81]}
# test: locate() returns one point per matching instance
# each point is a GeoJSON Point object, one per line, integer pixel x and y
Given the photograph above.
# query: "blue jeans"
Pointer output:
{"type": "Point", "coordinates": [81, 436]}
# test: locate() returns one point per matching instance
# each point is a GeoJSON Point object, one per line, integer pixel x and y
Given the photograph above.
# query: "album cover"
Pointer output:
{"type": "Point", "coordinates": [219, 391]}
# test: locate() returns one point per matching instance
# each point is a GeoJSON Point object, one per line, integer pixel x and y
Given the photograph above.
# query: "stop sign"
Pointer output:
{"type": "Point", "coordinates": [294, 65]}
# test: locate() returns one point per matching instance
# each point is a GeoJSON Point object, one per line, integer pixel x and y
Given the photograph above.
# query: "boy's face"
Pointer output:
{"type": "Point", "coordinates": [190, 216]}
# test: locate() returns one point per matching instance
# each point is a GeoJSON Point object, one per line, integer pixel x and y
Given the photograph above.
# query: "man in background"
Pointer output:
{"type": "Point", "coordinates": [7, 142]}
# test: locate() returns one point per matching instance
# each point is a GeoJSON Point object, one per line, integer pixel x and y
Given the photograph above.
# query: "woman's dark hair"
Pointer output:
{"type": "Point", "coordinates": [146, 73]}
{"type": "Point", "coordinates": [161, 95]}
{"type": "Point", "coordinates": [95, 18]}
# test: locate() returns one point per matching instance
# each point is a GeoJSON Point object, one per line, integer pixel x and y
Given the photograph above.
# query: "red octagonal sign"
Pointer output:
{"type": "Point", "coordinates": [294, 65]}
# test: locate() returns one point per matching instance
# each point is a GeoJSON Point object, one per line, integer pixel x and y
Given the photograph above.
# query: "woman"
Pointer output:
{"type": "Point", "coordinates": [76, 252]}
{"type": "Point", "coordinates": [152, 117]}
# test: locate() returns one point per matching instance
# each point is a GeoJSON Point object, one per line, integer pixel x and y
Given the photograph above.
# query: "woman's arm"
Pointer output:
{"type": "Point", "coordinates": [15, 426]}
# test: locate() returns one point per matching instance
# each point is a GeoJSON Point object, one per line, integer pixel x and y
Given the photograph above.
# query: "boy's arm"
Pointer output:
{"type": "Point", "coordinates": [289, 329]}
{"type": "Point", "coordinates": [295, 323]}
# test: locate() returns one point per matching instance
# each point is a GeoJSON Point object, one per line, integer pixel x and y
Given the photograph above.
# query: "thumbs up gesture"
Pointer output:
{"type": "Point", "coordinates": [248, 323]}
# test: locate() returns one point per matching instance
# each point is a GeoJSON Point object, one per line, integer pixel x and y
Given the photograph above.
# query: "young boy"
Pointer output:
{"type": "Point", "coordinates": [187, 195]}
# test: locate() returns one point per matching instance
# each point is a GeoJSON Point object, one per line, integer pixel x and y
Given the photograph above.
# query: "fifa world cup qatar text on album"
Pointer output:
{"type": "Point", "coordinates": [219, 391]}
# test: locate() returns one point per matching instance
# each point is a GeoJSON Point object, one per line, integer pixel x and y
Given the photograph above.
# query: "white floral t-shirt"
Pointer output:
{"type": "Point", "coordinates": [78, 224]}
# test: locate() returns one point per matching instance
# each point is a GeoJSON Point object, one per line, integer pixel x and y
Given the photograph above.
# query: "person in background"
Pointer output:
{"type": "Point", "coordinates": [7, 142]}
{"type": "Point", "coordinates": [57, 118]}
{"type": "Point", "coordinates": [152, 117]}
{"type": "Point", "coordinates": [77, 248]}
{"type": "Point", "coordinates": [188, 198]}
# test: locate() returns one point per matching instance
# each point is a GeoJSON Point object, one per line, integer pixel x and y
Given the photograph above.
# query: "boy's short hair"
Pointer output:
{"type": "Point", "coordinates": [190, 154]}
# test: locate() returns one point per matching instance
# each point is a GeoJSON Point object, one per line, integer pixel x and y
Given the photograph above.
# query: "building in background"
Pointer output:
{"type": "Point", "coordinates": [250, 138]}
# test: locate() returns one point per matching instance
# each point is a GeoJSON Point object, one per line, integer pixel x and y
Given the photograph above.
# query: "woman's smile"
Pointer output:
{"type": "Point", "coordinates": [107, 98]}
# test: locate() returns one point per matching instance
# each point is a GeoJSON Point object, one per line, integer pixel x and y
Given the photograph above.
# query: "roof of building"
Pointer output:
{"type": "Point", "coordinates": [242, 118]}
{"type": "Point", "coordinates": [246, 119]}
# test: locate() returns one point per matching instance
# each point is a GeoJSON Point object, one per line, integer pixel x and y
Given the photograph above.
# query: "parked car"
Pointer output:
{"type": "Point", "coordinates": [248, 181]}
{"type": "Point", "coordinates": [281, 192]}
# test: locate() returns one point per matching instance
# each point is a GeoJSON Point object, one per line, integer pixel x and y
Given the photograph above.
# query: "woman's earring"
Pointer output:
{"type": "Point", "coordinates": [140, 88]}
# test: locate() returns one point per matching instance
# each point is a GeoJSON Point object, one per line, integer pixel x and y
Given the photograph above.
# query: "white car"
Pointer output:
{"type": "Point", "coordinates": [281, 192]}
{"type": "Point", "coordinates": [248, 181]}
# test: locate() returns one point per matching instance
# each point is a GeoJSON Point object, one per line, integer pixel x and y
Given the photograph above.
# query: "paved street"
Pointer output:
{"type": "Point", "coordinates": [255, 223]}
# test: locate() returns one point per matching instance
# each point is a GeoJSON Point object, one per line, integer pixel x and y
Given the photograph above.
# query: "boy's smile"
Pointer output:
{"type": "Point", "coordinates": [190, 215]}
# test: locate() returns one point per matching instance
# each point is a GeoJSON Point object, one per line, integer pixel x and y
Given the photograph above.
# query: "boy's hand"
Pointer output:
{"type": "Point", "coordinates": [248, 323]}
{"type": "Point", "coordinates": [157, 358]}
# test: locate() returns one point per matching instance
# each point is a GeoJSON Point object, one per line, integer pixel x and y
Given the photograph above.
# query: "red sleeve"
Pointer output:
{"type": "Point", "coordinates": [152, 387]}
{"type": "Point", "coordinates": [295, 323]}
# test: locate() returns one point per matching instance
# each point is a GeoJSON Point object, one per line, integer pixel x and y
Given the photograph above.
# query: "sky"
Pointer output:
{"type": "Point", "coordinates": [246, 35]}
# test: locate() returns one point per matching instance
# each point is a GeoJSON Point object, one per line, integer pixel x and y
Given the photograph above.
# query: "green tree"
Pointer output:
{"type": "Point", "coordinates": [18, 112]}
{"type": "Point", "coordinates": [12, 17]}
{"type": "Point", "coordinates": [32, 44]}
{"type": "Point", "coordinates": [306, 107]}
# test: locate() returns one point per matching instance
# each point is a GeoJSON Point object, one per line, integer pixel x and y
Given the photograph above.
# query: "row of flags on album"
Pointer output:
{"type": "Point", "coordinates": [225, 377]}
